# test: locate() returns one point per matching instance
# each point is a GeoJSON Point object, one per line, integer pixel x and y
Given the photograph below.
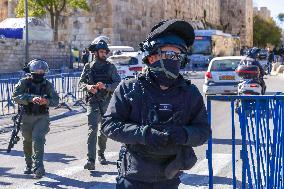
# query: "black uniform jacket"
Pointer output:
{"type": "Point", "coordinates": [127, 119]}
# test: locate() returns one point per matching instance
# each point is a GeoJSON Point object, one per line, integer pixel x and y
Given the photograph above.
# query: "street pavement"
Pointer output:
{"type": "Point", "coordinates": [66, 154]}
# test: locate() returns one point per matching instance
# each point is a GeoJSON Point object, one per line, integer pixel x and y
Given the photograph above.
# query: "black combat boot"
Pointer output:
{"type": "Point", "coordinates": [29, 165]}
{"type": "Point", "coordinates": [102, 159]}
{"type": "Point", "coordinates": [28, 170]}
{"type": "Point", "coordinates": [90, 165]}
{"type": "Point", "coordinates": [39, 172]}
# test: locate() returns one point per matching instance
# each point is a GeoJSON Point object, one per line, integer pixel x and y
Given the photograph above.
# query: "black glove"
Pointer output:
{"type": "Point", "coordinates": [156, 138]}
{"type": "Point", "coordinates": [177, 135]}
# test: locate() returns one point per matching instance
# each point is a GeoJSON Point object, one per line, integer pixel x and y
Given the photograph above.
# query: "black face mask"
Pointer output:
{"type": "Point", "coordinates": [37, 78]}
{"type": "Point", "coordinates": [165, 71]}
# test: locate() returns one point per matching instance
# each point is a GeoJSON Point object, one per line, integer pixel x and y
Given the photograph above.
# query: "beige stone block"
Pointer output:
{"type": "Point", "coordinates": [280, 69]}
{"type": "Point", "coordinates": [275, 66]}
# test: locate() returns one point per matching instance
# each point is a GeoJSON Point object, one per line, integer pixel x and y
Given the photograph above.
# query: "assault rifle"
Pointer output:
{"type": "Point", "coordinates": [16, 128]}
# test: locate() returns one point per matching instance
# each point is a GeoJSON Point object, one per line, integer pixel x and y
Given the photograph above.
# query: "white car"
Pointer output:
{"type": "Point", "coordinates": [221, 77]}
{"type": "Point", "coordinates": [128, 64]}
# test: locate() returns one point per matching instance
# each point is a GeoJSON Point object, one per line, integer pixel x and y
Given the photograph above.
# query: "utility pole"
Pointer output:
{"type": "Point", "coordinates": [27, 32]}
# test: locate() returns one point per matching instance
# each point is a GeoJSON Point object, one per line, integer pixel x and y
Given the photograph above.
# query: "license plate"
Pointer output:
{"type": "Point", "coordinates": [227, 77]}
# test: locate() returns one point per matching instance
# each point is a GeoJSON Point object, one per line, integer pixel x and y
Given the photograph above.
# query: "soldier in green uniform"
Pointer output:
{"type": "Point", "coordinates": [99, 79]}
{"type": "Point", "coordinates": [36, 95]}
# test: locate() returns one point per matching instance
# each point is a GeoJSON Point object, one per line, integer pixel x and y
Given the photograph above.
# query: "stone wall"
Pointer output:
{"type": "Point", "coordinates": [262, 12]}
{"type": "Point", "coordinates": [12, 54]}
{"type": "Point", "coordinates": [80, 27]}
{"type": "Point", "coordinates": [237, 19]}
{"type": "Point", "coordinates": [127, 22]}
{"type": "Point", "coordinates": [132, 20]}
{"type": "Point", "coordinates": [207, 11]}
{"type": "Point", "coordinates": [3, 9]}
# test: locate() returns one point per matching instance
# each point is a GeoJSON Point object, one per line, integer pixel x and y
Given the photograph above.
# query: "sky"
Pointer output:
{"type": "Point", "coordinates": [275, 7]}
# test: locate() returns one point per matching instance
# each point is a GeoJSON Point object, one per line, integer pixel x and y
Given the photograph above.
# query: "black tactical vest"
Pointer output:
{"type": "Point", "coordinates": [99, 74]}
{"type": "Point", "coordinates": [160, 113]}
{"type": "Point", "coordinates": [32, 108]}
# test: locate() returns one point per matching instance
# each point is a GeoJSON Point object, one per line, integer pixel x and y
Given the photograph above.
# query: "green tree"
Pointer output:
{"type": "Point", "coordinates": [54, 8]}
{"type": "Point", "coordinates": [265, 32]}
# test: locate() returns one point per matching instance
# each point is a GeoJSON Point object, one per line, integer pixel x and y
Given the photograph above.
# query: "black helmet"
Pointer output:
{"type": "Point", "coordinates": [99, 43]}
{"type": "Point", "coordinates": [174, 32]}
{"type": "Point", "coordinates": [254, 52]}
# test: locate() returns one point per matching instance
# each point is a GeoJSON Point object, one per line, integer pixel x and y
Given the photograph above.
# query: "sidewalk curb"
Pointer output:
{"type": "Point", "coordinates": [8, 128]}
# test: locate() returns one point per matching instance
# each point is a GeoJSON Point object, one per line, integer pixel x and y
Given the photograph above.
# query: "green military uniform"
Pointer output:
{"type": "Point", "coordinates": [105, 72]}
{"type": "Point", "coordinates": [35, 120]}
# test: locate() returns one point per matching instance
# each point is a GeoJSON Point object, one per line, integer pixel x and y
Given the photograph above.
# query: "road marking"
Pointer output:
{"type": "Point", "coordinates": [67, 172]}
{"type": "Point", "coordinates": [195, 178]}
{"type": "Point", "coordinates": [198, 175]}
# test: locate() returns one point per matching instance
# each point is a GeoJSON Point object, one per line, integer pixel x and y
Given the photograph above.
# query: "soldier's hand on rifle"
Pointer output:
{"type": "Point", "coordinates": [39, 100]}
{"type": "Point", "coordinates": [36, 100]}
{"type": "Point", "coordinates": [100, 85]}
{"type": "Point", "coordinates": [43, 101]}
{"type": "Point", "coordinates": [92, 89]}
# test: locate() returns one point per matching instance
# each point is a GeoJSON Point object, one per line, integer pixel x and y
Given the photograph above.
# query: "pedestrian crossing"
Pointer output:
{"type": "Point", "coordinates": [104, 177]}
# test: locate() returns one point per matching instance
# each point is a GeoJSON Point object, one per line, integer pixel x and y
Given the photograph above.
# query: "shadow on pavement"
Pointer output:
{"type": "Point", "coordinates": [202, 180]}
{"type": "Point", "coordinates": [101, 173]}
{"type": "Point", "coordinates": [65, 183]}
{"type": "Point", "coordinates": [4, 172]}
{"type": "Point", "coordinates": [4, 183]}
{"type": "Point", "coordinates": [49, 157]}
{"type": "Point", "coordinates": [226, 141]}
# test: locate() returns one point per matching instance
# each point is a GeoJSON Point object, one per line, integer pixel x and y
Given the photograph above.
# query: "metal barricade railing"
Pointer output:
{"type": "Point", "coordinates": [66, 85]}
{"type": "Point", "coordinates": [6, 90]}
{"type": "Point", "coordinates": [261, 120]}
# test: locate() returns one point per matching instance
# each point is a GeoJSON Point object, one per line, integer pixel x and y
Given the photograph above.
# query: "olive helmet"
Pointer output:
{"type": "Point", "coordinates": [38, 66]}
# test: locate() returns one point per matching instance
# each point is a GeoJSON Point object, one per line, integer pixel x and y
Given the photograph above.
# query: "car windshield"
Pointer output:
{"type": "Point", "coordinates": [225, 65]}
{"type": "Point", "coordinates": [201, 47]}
{"type": "Point", "coordinates": [123, 60]}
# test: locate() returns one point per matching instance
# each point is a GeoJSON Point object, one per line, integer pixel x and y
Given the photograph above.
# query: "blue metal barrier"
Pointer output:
{"type": "Point", "coordinates": [261, 120]}
{"type": "Point", "coordinates": [66, 85]}
{"type": "Point", "coordinates": [12, 75]}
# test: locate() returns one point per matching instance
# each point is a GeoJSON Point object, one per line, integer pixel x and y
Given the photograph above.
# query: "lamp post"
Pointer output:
{"type": "Point", "coordinates": [27, 33]}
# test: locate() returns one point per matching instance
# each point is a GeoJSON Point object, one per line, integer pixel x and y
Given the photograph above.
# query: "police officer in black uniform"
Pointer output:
{"type": "Point", "coordinates": [99, 79]}
{"type": "Point", "coordinates": [160, 116]}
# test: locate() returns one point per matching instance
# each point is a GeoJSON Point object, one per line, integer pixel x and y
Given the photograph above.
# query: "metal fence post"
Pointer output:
{"type": "Point", "coordinates": [233, 144]}
{"type": "Point", "coordinates": [209, 151]}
